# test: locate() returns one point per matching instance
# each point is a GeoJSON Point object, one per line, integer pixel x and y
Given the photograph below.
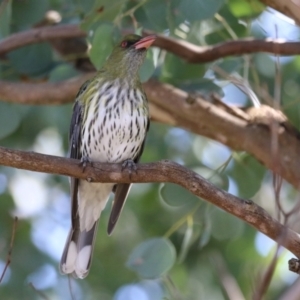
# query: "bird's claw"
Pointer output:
{"type": "Point", "coordinates": [130, 165]}
{"type": "Point", "coordinates": [84, 161]}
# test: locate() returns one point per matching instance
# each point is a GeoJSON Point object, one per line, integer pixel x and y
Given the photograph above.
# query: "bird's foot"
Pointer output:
{"type": "Point", "coordinates": [84, 161]}
{"type": "Point", "coordinates": [130, 165]}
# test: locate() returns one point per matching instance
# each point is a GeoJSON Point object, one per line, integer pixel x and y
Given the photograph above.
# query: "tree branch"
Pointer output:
{"type": "Point", "coordinates": [290, 8]}
{"type": "Point", "coordinates": [234, 128]}
{"type": "Point", "coordinates": [239, 130]}
{"type": "Point", "coordinates": [52, 93]}
{"type": "Point", "coordinates": [39, 35]}
{"type": "Point", "coordinates": [187, 51]}
{"type": "Point", "coordinates": [163, 171]}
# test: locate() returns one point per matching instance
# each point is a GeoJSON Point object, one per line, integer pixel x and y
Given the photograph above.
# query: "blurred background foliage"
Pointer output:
{"type": "Point", "coordinates": [168, 243]}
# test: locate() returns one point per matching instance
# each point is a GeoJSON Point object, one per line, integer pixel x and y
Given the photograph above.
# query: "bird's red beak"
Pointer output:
{"type": "Point", "coordinates": [145, 42]}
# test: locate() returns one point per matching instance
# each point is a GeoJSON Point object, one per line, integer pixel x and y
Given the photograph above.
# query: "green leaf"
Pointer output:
{"type": "Point", "coordinates": [218, 31]}
{"type": "Point", "coordinates": [155, 13]}
{"type": "Point", "coordinates": [230, 65]}
{"type": "Point", "coordinates": [218, 179]}
{"type": "Point", "coordinates": [239, 28]}
{"type": "Point", "coordinates": [152, 258]}
{"type": "Point", "coordinates": [5, 18]}
{"type": "Point", "coordinates": [248, 174]}
{"type": "Point", "coordinates": [225, 226]}
{"type": "Point", "coordinates": [203, 86]}
{"type": "Point", "coordinates": [62, 72]}
{"type": "Point", "coordinates": [195, 10]}
{"type": "Point", "coordinates": [142, 18]}
{"type": "Point", "coordinates": [102, 44]}
{"type": "Point", "coordinates": [205, 234]}
{"type": "Point", "coordinates": [28, 12]}
{"type": "Point", "coordinates": [84, 6]}
{"type": "Point", "coordinates": [103, 10]}
{"type": "Point", "coordinates": [264, 64]}
{"type": "Point", "coordinates": [176, 70]}
{"type": "Point", "coordinates": [177, 196]}
{"type": "Point", "coordinates": [186, 243]}
{"type": "Point", "coordinates": [148, 68]}
{"type": "Point", "coordinates": [247, 9]}
{"type": "Point", "coordinates": [9, 119]}
{"type": "Point", "coordinates": [32, 60]}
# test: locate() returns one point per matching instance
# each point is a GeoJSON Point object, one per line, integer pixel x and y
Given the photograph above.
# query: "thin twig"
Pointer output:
{"type": "Point", "coordinates": [294, 209]}
{"type": "Point", "coordinates": [70, 288]}
{"type": "Point", "coordinates": [277, 184]}
{"type": "Point", "coordinates": [240, 83]}
{"type": "Point", "coordinates": [265, 281]}
{"type": "Point", "coordinates": [174, 292]}
{"type": "Point", "coordinates": [227, 280]}
{"type": "Point", "coordinates": [277, 179]}
{"type": "Point", "coordinates": [12, 239]}
{"type": "Point", "coordinates": [41, 294]}
{"type": "Point", "coordinates": [278, 81]}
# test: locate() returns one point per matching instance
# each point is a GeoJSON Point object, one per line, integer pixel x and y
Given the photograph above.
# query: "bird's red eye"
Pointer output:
{"type": "Point", "coordinates": [124, 44]}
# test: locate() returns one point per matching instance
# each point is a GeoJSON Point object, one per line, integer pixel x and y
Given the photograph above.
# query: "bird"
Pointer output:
{"type": "Point", "coordinates": [109, 124]}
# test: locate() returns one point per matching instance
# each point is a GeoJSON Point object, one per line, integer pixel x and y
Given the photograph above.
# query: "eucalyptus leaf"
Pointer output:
{"type": "Point", "coordinates": [218, 31]}
{"type": "Point", "coordinates": [218, 179]}
{"type": "Point", "coordinates": [142, 18]}
{"type": "Point", "coordinates": [147, 69]}
{"type": "Point", "coordinates": [186, 243]}
{"type": "Point", "coordinates": [176, 70]}
{"type": "Point", "coordinates": [195, 10]}
{"type": "Point", "coordinates": [9, 119]}
{"type": "Point", "coordinates": [230, 65]}
{"type": "Point", "coordinates": [202, 86]}
{"type": "Point", "coordinates": [102, 44]}
{"type": "Point", "coordinates": [28, 12]}
{"type": "Point", "coordinates": [84, 6]}
{"type": "Point", "coordinates": [152, 258]}
{"type": "Point", "coordinates": [240, 28]}
{"type": "Point", "coordinates": [62, 72]}
{"type": "Point", "coordinates": [248, 174]}
{"type": "Point", "coordinates": [103, 10]}
{"type": "Point", "coordinates": [205, 234]}
{"type": "Point", "coordinates": [156, 12]}
{"type": "Point", "coordinates": [5, 18]}
{"type": "Point", "coordinates": [225, 226]}
{"type": "Point", "coordinates": [246, 9]}
{"type": "Point", "coordinates": [175, 195]}
{"type": "Point", "coordinates": [33, 60]}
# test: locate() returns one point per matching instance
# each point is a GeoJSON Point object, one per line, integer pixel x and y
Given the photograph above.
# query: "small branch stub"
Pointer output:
{"type": "Point", "coordinates": [294, 265]}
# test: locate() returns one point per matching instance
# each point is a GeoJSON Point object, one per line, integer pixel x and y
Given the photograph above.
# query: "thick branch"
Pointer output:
{"type": "Point", "coordinates": [42, 93]}
{"type": "Point", "coordinates": [290, 8]}
{"type": "Point", "coordinates": [248, 132]}
{"type": "Point", "coordinates": [38, 35]}
{"type": "Point", "coordinates": [175, 107]}
{"type": "Point", "coordinates": [164, 171]}
{"type": "Point", "coordinates": [183, 49]}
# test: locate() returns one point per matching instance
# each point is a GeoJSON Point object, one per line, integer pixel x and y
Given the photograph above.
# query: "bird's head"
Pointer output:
{"type": "Point", "coordinates": [128, 56]}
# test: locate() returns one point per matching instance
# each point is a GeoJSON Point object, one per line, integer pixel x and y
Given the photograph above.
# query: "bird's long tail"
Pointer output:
{"type": "Point", "coordinates": [121, 193]}
{"type": "Point", "coordinates": [77, 255]}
